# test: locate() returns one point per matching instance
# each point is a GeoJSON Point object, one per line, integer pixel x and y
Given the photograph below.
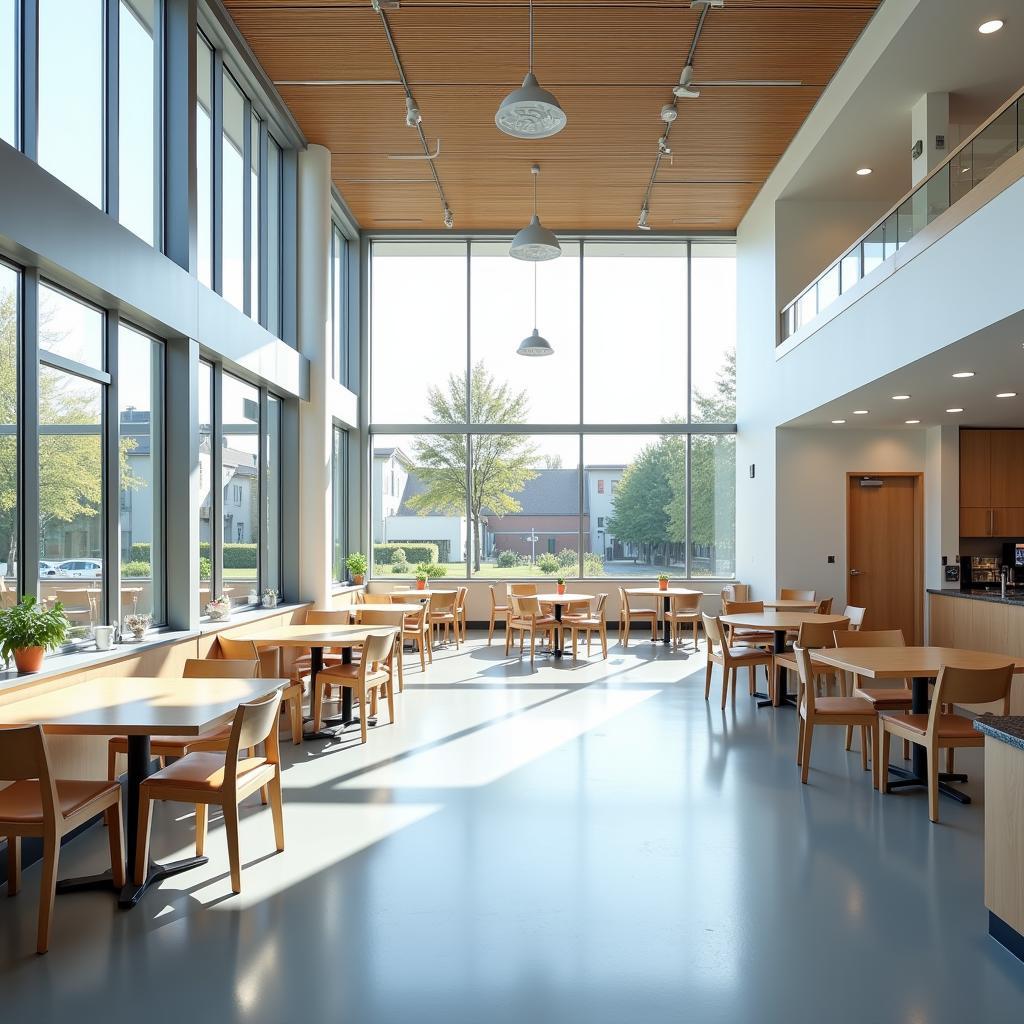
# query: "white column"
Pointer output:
{"type": "Point", "coordinates": [313, 265]}
{"type": "Point", "coordinates": [929, 125]}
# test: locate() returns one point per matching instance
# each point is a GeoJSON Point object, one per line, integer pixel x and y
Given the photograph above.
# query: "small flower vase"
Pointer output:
{"type": "Point", "coordinates": [560, 587]}
{"type": "Point", "coordinates": [663, 584]}
{"type": "Point", "coordinates": [421, 584]}
{"type": "Point", "coordinates": [270, 600]}
{"type": "Point", "coordinates": [219, 614]}
{"type": "Point", "coordinates": [139, 632]}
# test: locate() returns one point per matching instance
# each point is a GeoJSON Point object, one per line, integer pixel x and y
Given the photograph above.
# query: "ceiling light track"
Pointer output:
{"type": "Point", "coordinates": [413, 117]}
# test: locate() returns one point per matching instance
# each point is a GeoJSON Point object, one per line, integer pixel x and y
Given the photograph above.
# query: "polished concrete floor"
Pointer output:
{"type": "Point", "coordinates": [588, 842]}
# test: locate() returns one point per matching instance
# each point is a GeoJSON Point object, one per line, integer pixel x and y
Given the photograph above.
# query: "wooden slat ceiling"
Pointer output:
{"type": "Point", "coordinates": [611, 63]}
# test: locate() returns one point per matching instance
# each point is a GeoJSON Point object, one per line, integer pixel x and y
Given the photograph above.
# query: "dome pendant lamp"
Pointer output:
{"type": "Point", "coordinates": [530, 112]}
{"type": "Point", "coordinates": [535, 243]}
{"type": "Point", "coordinates": [535, 344]}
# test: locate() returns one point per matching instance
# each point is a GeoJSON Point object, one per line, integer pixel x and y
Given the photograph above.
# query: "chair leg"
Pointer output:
{"type": "Point", "coordinates": [317, 701]}
{"type": "Point", "coordinates": [604, 641]}
{"type": "Point", "coordinates": [490, 630]}
{"type": "Point", "coordinates": [799, 739]}
{"type": "Point", "coordinates": [950, 764]}
{"type": "Point", "coordinates": [111, 763]}
{"type": "Point", "coordinates": [875, 758]}
{"type": "Point", "coordinates": [142, 841]}
{"type": "Point", "coordinates": [202, 820]}
{"type": "Point", "coordinates": [707, 680]}
{"type": "Point", "coordinates": [295, 712]}
{"type": "Point", "coordinates": [849, 736]}
{"type": "Point", "coordinates": [391, 705]}
{"type": "Point", "coordinates": [364, 713]}
{"type": "Point", "coordinates": [805, 767]}
{"type": "Point", "coordinates": [533, 644]}
{"type": "Point", "coordinates": [726, 673]}
{"type": "Point", "coordinates": [864, 747]}
{"type": "Point", "coordinates": [47, 892]}
{"type": "Point", "coordinates": [234, 855]}
{"type": "Point", "coordinates": [277, 809]}
{"type": "Point", "coordinates": [933, 783]}
{"type": "Point", "coordinates": [423, 661]}
{"type": "Point", "coordinates": [13, 865]}
{"type": "Point", "coordinates": [115, 839]}
{"type": "Point", "coordinates": [906, 750]}
{"type": "Point", "coordinates": [884, 737]}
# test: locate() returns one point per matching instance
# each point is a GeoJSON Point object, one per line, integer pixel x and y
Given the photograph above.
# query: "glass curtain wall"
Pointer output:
{"type": "Point", "coordinates": [339, 516]}
{"type": "Point", "coordinates": [204, 159]}
{"type": "Point", "coordinates": [10, 332]}
{"type": "Point", "coordinates": [9, 91]}
{"type": "Point", "coordinates": [240, 490]}
{"type": "Point", "coordinates": [592, 495]}
{"type": "Point", "coordinates": [232, 155]}
{"type": "Point", "coordinates": [339, 336]}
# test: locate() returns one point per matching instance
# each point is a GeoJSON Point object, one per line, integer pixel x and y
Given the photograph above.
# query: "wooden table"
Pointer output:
{"type": "Point", "coordinates": [560, 601]}
{"type": "Point", "coordinates": [137, 707]}
{"type": "Point", "coordinates": [778, 623]}
{"type": "Point", "coordinates": [922, 665]}
{"type": "Point", "coordinates": [315, 639]}
{"type": "Point", "coordinates": [789, 604]}
{"type": "Point", "coordinates": [667, 604]}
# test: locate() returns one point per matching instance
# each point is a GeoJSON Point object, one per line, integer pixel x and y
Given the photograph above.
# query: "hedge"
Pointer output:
{"type": "Point", "coordinates": [415, 552]}
{"type": "Point", "coordinates": [136, 568]}
{"type": "Point", "coordinates": [236, 556]}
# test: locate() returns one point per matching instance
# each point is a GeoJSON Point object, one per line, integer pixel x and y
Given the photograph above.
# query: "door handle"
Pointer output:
{"type": "Point", "coordinates": [991, 522]}
{"type": "Point", "coordinates": [856, 572]}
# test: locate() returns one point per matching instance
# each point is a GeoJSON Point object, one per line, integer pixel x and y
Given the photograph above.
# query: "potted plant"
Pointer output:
{"type": "Point", "coordinates": [270, 598]}
{"type": "Point", "coordinates": [137, 625]}
{"type": "Point", "coordinates": [357, 564]}
{"type": "Point", "coordinates": [560, 585]}
{"type": "Point", "coordinates": [663, 581]}
{"type": "Point", "coordinates": [29, 630]}
{"type": "Point", "coordinates": [421, 579]}
{"type": "Point", "coordinates": [219, 609]}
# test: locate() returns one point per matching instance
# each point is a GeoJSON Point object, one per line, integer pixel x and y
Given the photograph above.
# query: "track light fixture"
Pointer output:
{"type": "Point", "coordinates": [412, 112]}
{"type": "Point", "coordinates": [642, 222]}
{"type": "Point", "coordinates": [530, 112]}
{"type": "Point", "coordinates": [535, 243]}
{"type": "Point", "coordinates": [449, 219]}
{"type": "Point", "coordinates": [669, 113]}
{"type": "Point", "coordinates": [684, 90]}
{"type": "Point", "coordinates": [535, 344]}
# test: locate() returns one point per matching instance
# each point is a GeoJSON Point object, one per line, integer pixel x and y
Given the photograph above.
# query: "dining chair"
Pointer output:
{"type": "Point", "coordinates": [628, 613]}
{"type": "Point", "coordinates": [498, 611]}
{"type": "Point", "coordinates": [943, 730]}
{"type": "Point", "coordinates": [787, 594]}
{"type": "Point", "coordinates": [742, 634]}
{"type": "Point", "coordinates": [460, 611]}
{"type": "Point", "coordinates": [812, 636]}
{"type": "Point", "coordinates": [684, 609]}
{"type": "Point", "coordinates": [730, 658]}
{"type": "Point", "coordinates": [844, 711]}
{"type": "Point", "coordinates": [302, 665]}
{"type": "Point", "coordinates": [410, 596]}
{"type": "Point", "coordinates": [442, 614]}
{"type": "Point", "coordinates": [223, 779]}
{"type": "Point", "coordinates": [824, 606]}
{"type": "Point", "coordinates": [39, 806]}
{"type": "Point", "coordinates": [735, 592]}
{"type": "Point", "coordinates": [527, 616]}
{"type": "Point", "coordinates": [416, 629]}
{"type": "Point", "coordinates": [270, 668]}
{"type": "Point", "coordinates": [78, 606]}
{"type": "Point", "coordinates": [523, 589]}
{"type": "Point", "coordinates": [386, 620]}
{"type": "Point", "coordinates": [588, 622]}
{"type": "Point", "coordinates": [366, 678]}
{"type": "Point", "coordinates": [855, 615]}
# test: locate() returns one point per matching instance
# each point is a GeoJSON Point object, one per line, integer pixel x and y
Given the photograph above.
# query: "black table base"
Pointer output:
{"type": "Point", "coordinates": [785, 698]}
{"type": "Point", "coordinates": [557, 651]}
{"type": "Point", "coordinates": [336, 724]}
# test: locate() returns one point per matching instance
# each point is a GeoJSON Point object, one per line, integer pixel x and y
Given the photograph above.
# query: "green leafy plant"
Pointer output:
{"type": "Point", "coordinates": [510, 560]}
{"type": "Point", "coordinates": [663, 578]}
{"type": "Point", "coordinates": [593, 565]}
{"type": "Point", "coordinates": [30, 624]}
{"type": "Point", "coordinates": [356, 563]}
{"type": "Point", "coordinates": [421, 576]}
{"type": "Point", "coordinates": [431, 571]}
{"type": "Point", "coordinates": [547, 563]}
{"type": "Point", "coordinates": [136, 569]}
{"type": "Point", "coordinates": [400, 568]}
{"type": "Point", "coordinates": [567, 558]}
{"type": "Point", "coordinates": [560, 581]}
{"type": "Point", "coordinates": [205, 567]}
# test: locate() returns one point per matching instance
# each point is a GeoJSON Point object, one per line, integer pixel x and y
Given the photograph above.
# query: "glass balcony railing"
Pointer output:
{"type": "Point", "coordinates": [967, 166]}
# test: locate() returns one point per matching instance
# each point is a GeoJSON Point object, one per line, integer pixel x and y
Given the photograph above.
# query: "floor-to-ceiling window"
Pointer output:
{"type": "Point", "coordinates": [339, 496]}
{"type": "Point", "coordinates": [275, 212]}
{"type": "Point", "coordinates": [204, 160]}
{"type": "Point", "coordinates": [232, 155]}
{"type": "Point", "coordinates": [489, 463]}
{"type": "Point", "coordinates": [9, 84]}
{"type": "Point", "coordinates": [10, 330]}
{"type": "Point", "coordinates": [339, 306]}
{"type": "Point", "coordinates": [207, 493]}
{"type": "Point", "coordinates": [270, 529]}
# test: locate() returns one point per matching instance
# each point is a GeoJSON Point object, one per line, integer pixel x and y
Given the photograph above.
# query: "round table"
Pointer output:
{"type": "Point", "coordinates": [667, 604]}
{"type": "Point", "coordinates": [778, 623]}
{"type": "Point", "coordinates": [560, 601]}
{"type": "Point", "coordinates": [789, 604]}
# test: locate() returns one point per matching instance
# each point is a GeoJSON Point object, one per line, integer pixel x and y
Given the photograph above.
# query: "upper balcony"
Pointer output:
{"type": "Point", "coordinates": [994, 142]}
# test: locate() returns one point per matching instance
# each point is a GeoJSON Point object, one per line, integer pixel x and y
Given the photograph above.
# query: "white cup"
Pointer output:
{"type": "Point", "coordinates": [104, 638]}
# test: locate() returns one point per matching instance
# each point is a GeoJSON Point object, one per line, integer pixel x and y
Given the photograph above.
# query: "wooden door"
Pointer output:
{"type": "Point", "coordinates": [1007, 469]}
{"type": "Point", "coordinates": [976, 468]}
{"type": "Point", "coordinates": [884, 551]}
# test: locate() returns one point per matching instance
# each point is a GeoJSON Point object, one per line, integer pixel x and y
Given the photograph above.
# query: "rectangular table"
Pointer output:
{"type": "Point", "coordinates": [137, 707]}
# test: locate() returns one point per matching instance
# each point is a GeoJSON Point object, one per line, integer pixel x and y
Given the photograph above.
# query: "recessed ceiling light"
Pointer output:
{"type": "Point", "coordinates": [839, 421]}
{"type": "Point", "coordinates": [961, 374]}
{"type": "Point", "coordinates": [860, 412]}
{"type": "Point", "coordinates": [863, 171]}
{"type": "Point", "coordinates": [900, 398]}
{"type": "Point", "coordinates": [954, 410]}
{"type": "Point", "coordinates": [910, 423]}
{"type": "Point", "coordinates": [986, 28]}
{"type": "Point", "coordinates": [1007, 394]}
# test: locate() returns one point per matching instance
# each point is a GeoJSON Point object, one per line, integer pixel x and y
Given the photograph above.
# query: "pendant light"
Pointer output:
{"type": "Point", "coordinates": [535, 243]}
{"type": "Point", "coordinates": [530, 112]}
{"type": "Point", "coordinates": [535, 344]}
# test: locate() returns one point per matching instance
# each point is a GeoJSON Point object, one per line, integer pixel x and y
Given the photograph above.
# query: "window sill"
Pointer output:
{"type": "Point", "coordinates": [346, 588]}
{"type": "Point", "coordinates": [249, 615]}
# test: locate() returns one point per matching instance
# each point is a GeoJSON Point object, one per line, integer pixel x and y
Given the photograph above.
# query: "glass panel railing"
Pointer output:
{"type": "Point", "coordinates": [990, 147]}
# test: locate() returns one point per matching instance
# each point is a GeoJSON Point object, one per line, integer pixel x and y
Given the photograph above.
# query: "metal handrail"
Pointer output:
{"type": "Point", "coordinates": [894, 210]}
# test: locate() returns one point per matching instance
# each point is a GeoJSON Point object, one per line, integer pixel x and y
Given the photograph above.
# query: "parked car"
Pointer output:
{"type": "Point", "coordinates": [48, 568]}
{"type": "Point", "coordinates": [81, 568]}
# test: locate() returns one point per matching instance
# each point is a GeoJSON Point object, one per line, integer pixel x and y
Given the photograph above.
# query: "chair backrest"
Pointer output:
{"type": "Point", "coordinates": [382, 618]}
{"type": "Point", "coordinates": [416, 618]}
{"type": "Point", "coordinates": [75, 600]}
{"type": "Point", "coordinates": [238, 650]}
{"type": "Point", "coordinates": [443, 604]}
{"type": "Point", "coordinates": [787, 594]}
{"type": "Point", "coordinates": [25, 755]}
{"type": "Point", "coordinates": [221, 668]}
{"type": "Point", "coordinates": [255, 722]}
{"type": "Point", "coordinates": [629, 598]}
{"type": "Point", "coordinates": [598, 613]}
{"type": "Point", "coordinates": [331, 617]}
{"type": "Point", "coordinates": [737, 607]}
{"type": "Point", "coordinates": [971, 686]}
{"type": "Point", "coordinates": [523, 589]}
{"type": "Point", "coordinates": [855, 615]}
{"type": "Point", "coordinates": [410, 596]}
{"type": "Point", "coordinates": [819, 634]}
{"type": "Point", "coordinates": [805, 674]}
{"type": "Point", "coordinates": [869, 638]}
{"type": "Point", "coordinates": [377, 647]}
{"type": "Point", "coordinates": [494, 596]}
{"type": "Point", "coordinates": [525, 606]}
{"type": "Point", "coordinates": [460, 599]}
{"type": "Point", "coordinates": [825, 606]}
{"type": "Point", "coordinates": [713, 631]}
{"type": "Point", "coordinates": [686, 602]}
{"type": "Point", "coordinates": [735, 592]}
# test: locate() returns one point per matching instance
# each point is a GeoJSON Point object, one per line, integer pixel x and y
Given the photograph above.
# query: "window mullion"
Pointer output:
{"type": "Point", "coordinates": [111, 64]}
{"type": "Point", "coordinates": [28, 557]}
{"type": "Point", "coordinates": [217, 155]}
{"type": "Point", "coordinates": [247, 225]}
{"type": "Point", "coordinates": [111, 468]}
{"type": "Point", "coordinates": [217, 487]}
{"type": "Point", "coordinates": [29, 135]}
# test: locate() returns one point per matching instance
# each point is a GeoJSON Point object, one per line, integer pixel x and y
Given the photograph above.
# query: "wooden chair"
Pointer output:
{"type": "Point", "coordinates": [815, 711]}
{"type": "Point", "coordinates": [812, 636]}
{"type": "Point", "coordinates": [387, 620]}
{"type": "Point", "coordinates": [498, 611]}
{"type": "Point", "coordinates": [824, 606]}
{"type": "Point", "coordinates": [373, 672]}
{"type": "Point", "coordinates": [206, 777]}
{"type": "Point", "coordinates": [270, 668]}
{"type": "Point", "coordinates": [460, 611]}
{"type": "Point", "coordinates": [442, 614]}
{"type": "Point", "coordinates": [893, 698]}
{"type": "Point", "coordinates": [37, 805]}
{"type": "Point", "coordinates": [942, 730]}
{"type": "Point", "coordinates": [787, 594]}
{"type": "Point", "coordinates": [78, 606]}
{"type": "Point", "coordinates": [741, 635]}
{"type": "Point", "coordinates": [523, 589]}
{"type": "Point", "coordinates": [684, 609]}
{"type": "Point", "coordinates": [302, 666]}
{"type": "Point", "coordinates": [730, 658]}
{"type": "Point", "coordinates": [409, 596]}
{"type": "Point", "coordinates": [163, 747]}
{"type": "Point", "coordinates": [588, 622]}
{"type": "Point", "coordinates": [735, 592]}
{"type": "Point", "coordinates": [416, 629]}
{"type": "Point", "coordinates": [855, 615]}
{"type": "Point", "coordinates": [627, 614]}
{"type": "Point", "coordinates": [527, 616]}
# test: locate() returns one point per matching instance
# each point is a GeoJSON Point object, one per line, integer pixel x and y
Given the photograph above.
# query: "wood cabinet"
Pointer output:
{"type": "Point", "coordinates": [991, 483]}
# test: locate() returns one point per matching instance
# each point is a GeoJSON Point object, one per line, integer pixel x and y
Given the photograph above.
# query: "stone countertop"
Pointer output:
{"type": "Point", "coordinates": [1008, 728]}
{"type": "Point", "coordinates": [983, 595]}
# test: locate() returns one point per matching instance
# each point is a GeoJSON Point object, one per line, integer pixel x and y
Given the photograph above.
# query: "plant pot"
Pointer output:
{"type": "Point", "coordinates": [270, 602]}
{"type": "Point", "coordinates": [421, 584]}
{"type": "Point", "coordinates": [139, 632]}
{"type": "Point", "coordinates": [357, 579]}
{"type": "Point", "coordinates": [219, 615]}
{"type": "Point", "coordinates": [29, 659]}
{"type": "Point", "coordinates": [663, 584]}
{"type": "Point", "coordinates": [560, 588]}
